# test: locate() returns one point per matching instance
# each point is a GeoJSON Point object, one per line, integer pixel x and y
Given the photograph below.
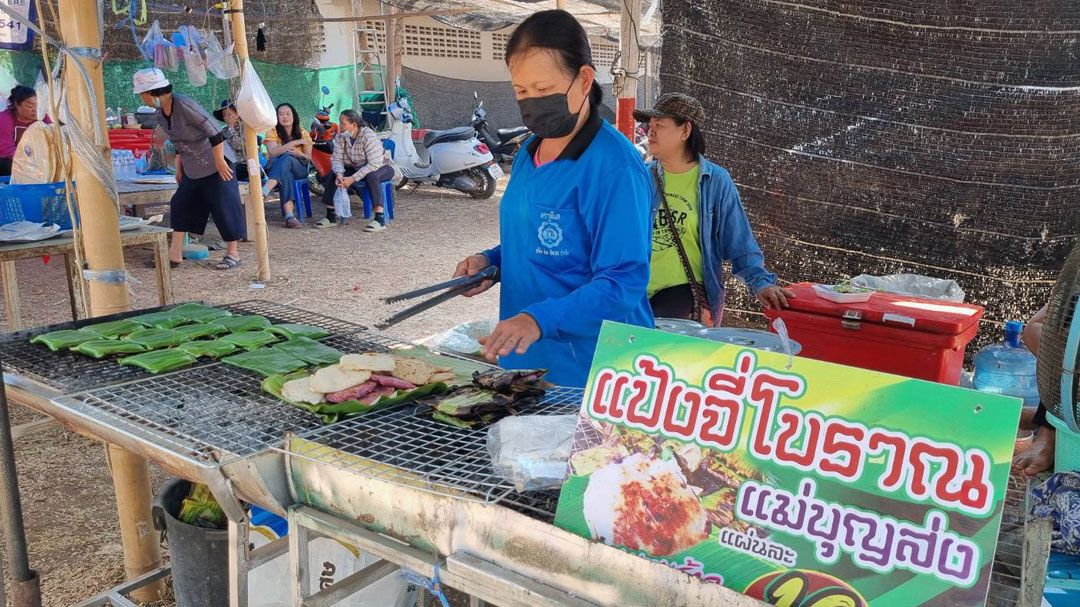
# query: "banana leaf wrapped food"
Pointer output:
{"type": "Point", "coordinates": [165, 319]}
{"type": "Point", "coordinates": [160, 361]}
{"type": "Point", "coordinates": [154, 339]}
{"type": "Point", "coordinates": [199, 312]}
{"type": "Point", "coordinates": [250, 340]}
{"type": "Point", "coordinates": [236, 324]}
{"type": "Point", "coordinates": [266, 362]}
{"type": "Point", "coordinates": [294, 330]}
{"type": "Point", "coordinates": [493, 395]}
{"type": "Point", "coordinates": [309, 351]}
{"type": "Point", "coordinates": [100, 348]}
{"type": "Point", "coordinates": [214, 348]}
{"type": "Point", "coordinates": [113, 328]}
{"type": "Point", "coordinates": [62, 340]}
{"type": "Point", "coordinates": [200, 330]}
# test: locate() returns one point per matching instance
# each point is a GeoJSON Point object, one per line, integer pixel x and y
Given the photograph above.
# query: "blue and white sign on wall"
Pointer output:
{"type": "Point", "coordinates": [14, 35]}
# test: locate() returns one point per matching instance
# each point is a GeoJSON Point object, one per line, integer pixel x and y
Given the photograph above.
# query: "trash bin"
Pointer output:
{"type": "Point", "coordinates": [199, 556]}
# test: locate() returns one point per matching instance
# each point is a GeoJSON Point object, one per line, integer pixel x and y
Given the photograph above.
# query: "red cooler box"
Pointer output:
{"type": "Point", "coordinates": [908, 336]}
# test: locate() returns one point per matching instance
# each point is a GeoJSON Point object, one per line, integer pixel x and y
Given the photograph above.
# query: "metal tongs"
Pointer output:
{"type": "Point", "coordinates": [453, 288]}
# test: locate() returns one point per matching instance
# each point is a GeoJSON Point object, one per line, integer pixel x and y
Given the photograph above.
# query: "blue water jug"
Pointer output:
{"type": "Point", "coordinates": [1008, 367]}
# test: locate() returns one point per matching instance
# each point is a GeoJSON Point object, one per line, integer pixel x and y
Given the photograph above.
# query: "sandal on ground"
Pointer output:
{"type": "Point", "coordinates": [324, 223]}
{"type": "Point", "coordinates": [153, 264]}
{"type": "Point", "coordinates": [228, 263]}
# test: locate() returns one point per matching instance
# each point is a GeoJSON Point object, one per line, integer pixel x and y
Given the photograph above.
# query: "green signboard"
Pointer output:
{"type": "Point", "coordinates": [790, 480]}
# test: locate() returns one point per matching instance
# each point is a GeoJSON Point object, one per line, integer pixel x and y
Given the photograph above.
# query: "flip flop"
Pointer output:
{"type": "Point", "coordinates": [227, 263]}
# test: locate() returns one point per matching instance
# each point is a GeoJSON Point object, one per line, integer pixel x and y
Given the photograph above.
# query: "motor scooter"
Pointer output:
{"type": "Point", "coordinates": [456, 159]}
{"type": "Point", "coordinates": [503, 143]}
{"type": "Point", "coordinates": [323, 131]}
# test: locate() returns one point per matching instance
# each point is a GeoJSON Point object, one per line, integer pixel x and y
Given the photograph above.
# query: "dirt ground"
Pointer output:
{"type": "Point", "coordinates": [68, 502]}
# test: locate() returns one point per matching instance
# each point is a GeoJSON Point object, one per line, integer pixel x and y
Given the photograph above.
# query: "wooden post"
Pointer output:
{"type": "Point", "coordinates": [100, 228]}
{"type": "Point", "coordinates": [628, 47]}
{"type": "Point", "coordinates": [251, 148]}
{"type": "Point", "coordinates": [394, 51]}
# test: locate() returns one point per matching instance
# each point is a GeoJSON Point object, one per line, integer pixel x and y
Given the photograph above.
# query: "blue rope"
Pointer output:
{"type": "Point", "coordinates": [434, 586]}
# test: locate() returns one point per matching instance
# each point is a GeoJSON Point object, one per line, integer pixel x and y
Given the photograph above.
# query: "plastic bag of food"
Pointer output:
{"type": "Point", "coordinates": [236, 324]}
{"type": "Point", "coordinates": [266, 362]}
{"type": "Point", "coordinates": [113, 328]}
{"type": "Point", "coordinates": [342, 207]}
{"type": "Point", "coordinates": [60, 340]}
{"type": "Point", "coordinates": [913, 285]}
{"type": "Point", "coordinates": [250, 340]}
{"type": "Point", "coordinates": [532, 451]}
{"type": "Point", "coordinates": [293, 330]}
{"type": "Point", "coordinates": [153, 339]}
{"type": "Point", "coordinates": [160, 361]}
{"type": "Point", "coordinates": [100, 348]}
{"type": "Point", "coordinates": [193, 59]}
{"type": "Point", "coordinates": [309, 351]}
{"type": "Point", "coordinates": [214, 348]}
{"type": "Point", "coordinates": [253, 103]}
{"type": "Point", "coordinates": [462, 339]}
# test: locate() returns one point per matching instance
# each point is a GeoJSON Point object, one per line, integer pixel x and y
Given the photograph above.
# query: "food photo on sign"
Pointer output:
{"type": "Point", "coordinates": [794, 481]}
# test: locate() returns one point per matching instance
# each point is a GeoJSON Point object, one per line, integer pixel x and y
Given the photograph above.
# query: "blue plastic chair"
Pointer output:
{"type": "Point", "coordinates": [387, 188]}
{"type": "Point", "coordinates": [301, 200]}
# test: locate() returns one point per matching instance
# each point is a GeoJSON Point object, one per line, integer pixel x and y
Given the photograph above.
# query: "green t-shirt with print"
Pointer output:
{"type": "Point", "coordinates": [681, 191]}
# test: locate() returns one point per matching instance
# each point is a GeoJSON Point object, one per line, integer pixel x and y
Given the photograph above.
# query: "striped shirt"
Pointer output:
{"type": "Point", "coordinates": [364, 152]}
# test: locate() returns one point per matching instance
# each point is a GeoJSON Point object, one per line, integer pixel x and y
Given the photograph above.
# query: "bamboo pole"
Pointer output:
{"type": "Point", "coordinates": [251, 148]}
{"type": "Point", "coordinates": [394, 51]}
{"type": "Point", "coordinates": [100, 228]}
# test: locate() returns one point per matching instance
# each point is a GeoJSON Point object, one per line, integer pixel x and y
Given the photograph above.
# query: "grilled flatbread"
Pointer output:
{"type": "Point", "coordinates": [299, 391]}
{"type": "Point", "coordinates": [413, 370]}
{"type": "Point", "coordinates": [335, 379]}
{"type": "Point", "coordinates": [376, 363]}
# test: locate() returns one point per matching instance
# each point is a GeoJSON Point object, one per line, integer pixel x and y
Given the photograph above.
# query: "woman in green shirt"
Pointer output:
{"type": "Point", "coordinates": [700, 222]}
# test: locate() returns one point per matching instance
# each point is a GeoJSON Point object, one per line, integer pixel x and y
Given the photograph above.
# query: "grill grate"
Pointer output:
{"type": "Point", "coordinates": [1009, 558]}
{"type": "Point", "coordinates": [66, 372]}
{"type": "Point", "coordinates": [406, 447]}
{"type": "Point", "coordinates": [210, 415]}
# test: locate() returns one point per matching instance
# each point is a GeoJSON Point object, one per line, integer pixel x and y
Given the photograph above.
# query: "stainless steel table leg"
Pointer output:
{"type": "Point", "coordinates": [298, 560]}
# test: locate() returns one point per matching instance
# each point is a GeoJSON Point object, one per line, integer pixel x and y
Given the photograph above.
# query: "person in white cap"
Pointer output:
{"type": "Point", "coordinates": [204, 161]}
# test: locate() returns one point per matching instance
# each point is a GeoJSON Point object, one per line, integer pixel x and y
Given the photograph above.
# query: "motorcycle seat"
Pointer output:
{"type": "Point", "coordinates": [508, 134]}
{"type": "Point", "coordinates": [463, 133]}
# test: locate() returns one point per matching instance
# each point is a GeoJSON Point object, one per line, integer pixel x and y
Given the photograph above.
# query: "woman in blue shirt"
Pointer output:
{"type": "Point", "coordinates": [575, 220]}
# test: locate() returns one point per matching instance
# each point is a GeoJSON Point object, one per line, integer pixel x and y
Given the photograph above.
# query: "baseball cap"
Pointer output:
{"type": "Point", "coordinates": [674, 105]}
{"type": "Point", "coordinates": [220, 112]}
{"type": "Point", "coordinates": [149, 79]}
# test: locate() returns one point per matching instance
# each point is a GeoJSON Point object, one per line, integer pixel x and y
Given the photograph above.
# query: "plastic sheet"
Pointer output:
{"type": "Point", "coordinates": [914, 285]}
{"type": "Point", "coordinates": [532, 451]}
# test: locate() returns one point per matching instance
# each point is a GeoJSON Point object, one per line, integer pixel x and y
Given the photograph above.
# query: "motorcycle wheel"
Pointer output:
{"type": "Point", "coordinates": [488, 188]}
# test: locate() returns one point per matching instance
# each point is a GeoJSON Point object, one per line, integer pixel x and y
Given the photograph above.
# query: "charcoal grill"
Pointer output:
{"type": "Point", "coordinates": [35, 368]}
{"type": "Point", "coordinates": [406, 447]}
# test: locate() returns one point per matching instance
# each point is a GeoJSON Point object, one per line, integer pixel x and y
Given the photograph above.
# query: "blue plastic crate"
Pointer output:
{"type": "Point", "coordinates": [37, 202]}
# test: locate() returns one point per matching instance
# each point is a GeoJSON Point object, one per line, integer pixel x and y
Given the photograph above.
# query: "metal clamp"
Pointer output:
{"type": "Point", "coordinates": [852, 320]}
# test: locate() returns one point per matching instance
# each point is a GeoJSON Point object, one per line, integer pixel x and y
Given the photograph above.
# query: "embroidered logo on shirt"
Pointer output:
{"type": "Point", "coordinates": [550, 232]}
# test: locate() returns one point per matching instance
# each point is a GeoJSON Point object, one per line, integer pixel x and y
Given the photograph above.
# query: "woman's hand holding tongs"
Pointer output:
{"type": "Point", "coordinates": [471, 266]}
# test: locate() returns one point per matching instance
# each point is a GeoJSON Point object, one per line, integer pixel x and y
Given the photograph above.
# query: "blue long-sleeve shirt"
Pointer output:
{"type": "Point", "coordinates": [576, 243]}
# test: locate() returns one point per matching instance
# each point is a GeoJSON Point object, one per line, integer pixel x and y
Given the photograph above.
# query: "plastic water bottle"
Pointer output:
{"type": "Point", "coordinates": [129, 165]}
{"type": "Point", "coordinates": [1008, 367]}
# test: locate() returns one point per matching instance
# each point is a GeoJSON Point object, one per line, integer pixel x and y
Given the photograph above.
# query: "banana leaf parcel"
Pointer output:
{"type": "Point", "coordinates": [236, 324]}
{"type": "Point", "coordinates": [293, 330]}
{"type": "Point", "coordinates": [160, 361]}
{"type": "Point", "coordinates": [266, 361]}
{"type": "Point", "coordinates": [166, 319]}
{"type": "Point", "coordinates": [199, 312]}
{"type": "Point", "coordinates": [61, 340]}
{"type": "Point", "coordinates": [250, 340]}
{"type": "Point", "coordinates": [100, 348]}
{"type": "Point", "coordinates": [309, 351]}
{"type": "Point", "coordinates": [200, 330]}
{"type": "Point", "coordinates": [214, 348]}
{"type": "Point", "coordinates": [113, 328]}
{"type": "Point", "coordinates": [334, 412]}
{"type": "Point", "coordinates": [154, 339]}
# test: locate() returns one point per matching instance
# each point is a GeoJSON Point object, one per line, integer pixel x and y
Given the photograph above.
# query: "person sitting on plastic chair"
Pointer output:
{"type": "Point", "coordinates": [358, 157]}
{"type": "Point", "coordinates": [289, 149]}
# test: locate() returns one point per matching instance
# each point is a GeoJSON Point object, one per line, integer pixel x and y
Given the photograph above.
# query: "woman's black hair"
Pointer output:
{"type": "Point", "coordinates": [162, 91]}
{"type": "Point", "coordinates": [353, 116]}
{"type": "Point", "coordinates": [695, 144]}
{"type": "Point", "coordinates": [19, 94]}
{"type": "Point", "coordinates": [559, 32]}
{"type": "Point", "coordinates": [295, 134]}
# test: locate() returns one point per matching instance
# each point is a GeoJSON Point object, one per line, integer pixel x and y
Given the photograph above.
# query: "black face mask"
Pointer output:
{"type": "Point", "coordinates": [549, 117]}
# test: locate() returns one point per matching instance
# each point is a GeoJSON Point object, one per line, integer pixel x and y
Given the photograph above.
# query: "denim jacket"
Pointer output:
{"type": "Point", "coordinates": [725, 235]}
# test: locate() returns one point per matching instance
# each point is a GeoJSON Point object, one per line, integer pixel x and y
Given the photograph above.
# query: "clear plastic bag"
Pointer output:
{"type": "Point", "coordinates": [253, 103]}
{"type": "Point", "coordinates": [193, 58]}
{"type": "Point", "coordinates": [221, 62]}
{"type": "Point", "coordinates": [532, 451]}
{"type": "Point", "coordinates": [913, 285]}
{"type": "Point", "coordinates": [342, 208]}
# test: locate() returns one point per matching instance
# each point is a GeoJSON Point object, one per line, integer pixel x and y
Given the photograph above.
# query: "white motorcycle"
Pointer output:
{"type": "Point", "coordinates": [456, 159]}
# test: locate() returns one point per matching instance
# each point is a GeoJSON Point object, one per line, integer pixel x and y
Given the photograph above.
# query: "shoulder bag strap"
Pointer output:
{"type": "Point", "coordinates": [697, 290]}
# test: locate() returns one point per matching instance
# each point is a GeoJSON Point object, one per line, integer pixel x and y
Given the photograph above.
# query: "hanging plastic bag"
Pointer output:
{"type": "Point", "coordinates": [253, 103]}
{"type": "Point", "coordinates": [342, 208]}
{"type": "Point", "coordinates": [193, 59]}
{"type": "Point", "coordinates": [152, 39]}
{"type": "Point", "coordinates": [41, 87]}
{"type": "Point", "coordinates": [8, 82]}
{"type": "Point", "coordinates": [221, 62]}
